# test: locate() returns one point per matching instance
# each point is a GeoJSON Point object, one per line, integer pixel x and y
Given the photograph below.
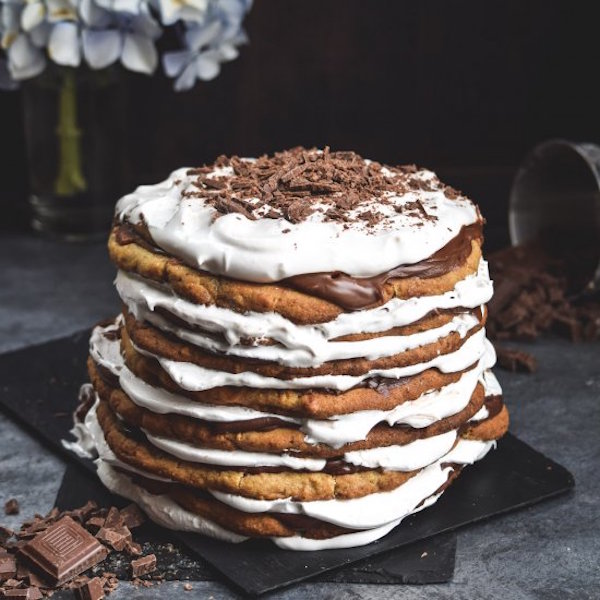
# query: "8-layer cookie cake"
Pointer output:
{"type": "Point", "coordinates": [301, 353]}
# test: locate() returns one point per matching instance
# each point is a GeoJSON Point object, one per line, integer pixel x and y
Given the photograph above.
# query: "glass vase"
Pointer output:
{"type": "Point", "coordinates": [75, 132]}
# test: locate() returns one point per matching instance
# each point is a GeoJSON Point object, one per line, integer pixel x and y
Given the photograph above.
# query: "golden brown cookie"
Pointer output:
{"type": "Point", "coordinates": [154, 341]}
{"type": "Point", "coordinates": [265, 524]}
{"type": "Point", "coordinates": [313, 403]}
{"type": "Point", "coordinates": [282, 438]}
{"type": "Point", "coordinates": [300, 486]}
{"type": "Point", "coordinates": [204, 288]}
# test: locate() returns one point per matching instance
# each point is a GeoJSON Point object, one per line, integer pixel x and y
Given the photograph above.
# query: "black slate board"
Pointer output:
{"type": "Point", "coordinates": [39, 385]}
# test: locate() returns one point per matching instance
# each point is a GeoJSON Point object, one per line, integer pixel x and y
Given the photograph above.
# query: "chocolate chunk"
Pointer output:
{"type": "Point", "coordinates": [133, 548]}
{"type": "Point", "coordinates": [532, 296]}
{"type": "Point", "coordinates": [568, 326]}
{"type": "Point", "coordinates": [11, 507]}
{"type": "Point", "coordinates": [504, 291]}
{"type": "Point", "coordinates": [83, 513]}
{"type": "Point", "coordinates": [516, 360]}
{"type": "Point", "coordinates": [91, 590]}
{"type": "Point", "coordinates": [5, 534]}
{"type": "Point", "coordinates": [8, 567]}
{"type": "Point", "coordinates": [94, 524]}
{"type": "Point", "coordinates": [512, 316]}
{"type": "Point", "coordinates": [24, 573]}
{"type": "Point", "coordinates": [115, 537]}
{"type": "Point", "coordinates": [113, 518]}
{"type": "Point", "coordinates": [63, 551]}
{"type": "Point", "coordinates": [31, 593]}
{"type": "Point", "coordinates": [526, 331]}
{"type": "Point", "coordinates": [132, 516]}
{"type": "Point", "coordinates": [143, 566]}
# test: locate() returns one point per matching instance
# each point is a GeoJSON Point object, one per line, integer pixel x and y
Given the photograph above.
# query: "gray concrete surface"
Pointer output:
{"type": "Point", "coordinates": [549, 551]}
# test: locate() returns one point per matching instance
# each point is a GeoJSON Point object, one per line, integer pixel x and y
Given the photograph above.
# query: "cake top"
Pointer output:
{"type": "Point", "coordinates": [299, 211]}
{"type": "Point", "coordinates": [298, 183]}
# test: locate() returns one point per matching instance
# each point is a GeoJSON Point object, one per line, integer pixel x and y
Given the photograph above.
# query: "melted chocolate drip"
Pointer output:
{"type": "Point", "coordinates": [355, 293]}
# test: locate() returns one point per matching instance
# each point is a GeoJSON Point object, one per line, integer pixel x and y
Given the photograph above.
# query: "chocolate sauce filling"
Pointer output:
{"type": "Point", "coordinates": [355, 293]}
{"type": "Point", "coordinates": [494, 405]}
{"type": "Point", "coordinates": [334, 466]}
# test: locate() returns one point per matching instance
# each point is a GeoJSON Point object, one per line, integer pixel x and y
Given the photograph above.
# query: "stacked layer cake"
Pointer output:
{"type": "Point", "coordinates": [301, 354]}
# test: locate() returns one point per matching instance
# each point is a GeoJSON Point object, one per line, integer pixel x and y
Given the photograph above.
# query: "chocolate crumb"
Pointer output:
{"type": "Point", "coordinates": [91, 590]}
{"type": "Point", "coordinates": [296, 183]}
{"type": "Point", "coordinates": [132, 516]}
{"type": "Point", "coordinates": [516, 360]}
{"type": "Point", "coordinates": [115, 537]}
{"type": "Point", "coordinates": [11, 507]}
{"type": "Point", "coordinates": [143, 566]}
{"type": "Point", "coordinates": [532, 297]}
{"type": "Point", "coordinates": [5, 534]}
{"type": "Point", "coordinates": [31, 593]}
{"type": "Point", "coordinates": [8, 567]}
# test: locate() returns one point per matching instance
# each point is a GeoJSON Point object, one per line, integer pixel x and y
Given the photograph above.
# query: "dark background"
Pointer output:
{"type": "Point", "coordinates": [463, 87]}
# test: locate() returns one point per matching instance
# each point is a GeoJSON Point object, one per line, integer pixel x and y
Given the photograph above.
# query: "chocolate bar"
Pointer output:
{"type": "Point", "coordinates": [63, 551]}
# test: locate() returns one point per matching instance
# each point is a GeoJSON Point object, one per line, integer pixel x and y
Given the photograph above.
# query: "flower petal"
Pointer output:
{"type": "Point", "coordinates": [63, 45]}
{"type": "Point", "coordinates": [197, 36]}
{"type": "Point", "coordinates": [207, 67]}
{"type": "Point", "coordinates": [101, 48]}
{"type": "Point", "coordinates": [128, 6]}
{"type": "Point", "coordinates": [187, 79]}
{"type": "Point", "coordinates": [10, 18]}
{"type": "Point", "coordinates": [24, 59]}
{"type": "Point", "coordinates": [228, 52]}
{"type": "Point", "coordinates": [94, 15]}
{"type": "Point", "coordinates": [33, 14]}
{"type": "Point", "coordinates": [7, 83]}
{"type": "Point", "coordinates": [39, 36]}
{"type": "Point", "coordinates": [139, 54]}
{"type": "Point", "coordinates": [145, 25]}
{"type": "Point", "coordinates": [175, 62]}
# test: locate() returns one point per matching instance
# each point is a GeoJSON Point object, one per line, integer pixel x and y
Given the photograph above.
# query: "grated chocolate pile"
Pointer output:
{"type": "Point", "coordinates": [295, 183]}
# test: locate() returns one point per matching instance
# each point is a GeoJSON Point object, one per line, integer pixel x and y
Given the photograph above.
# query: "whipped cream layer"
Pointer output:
{"type": "Point", "coordinates": [371, 516]}
{"type": "Point", "coordinates": [267, 249]}
{"type": "Point", "coordinates": [373, 510]}
{"type": "Point", "coordinates": [409, 457]}
{"type": "Point", "coordinates": [160, 508]}
{"type": "Point", "coordinates": [336, 431]}
{"type": "Point", "coordinates": [299, 345]}
{"type": "Point", "coordinates": [195, 378]}
{"type": "Point", "coordinates": [370, 349]}
{"type": "Point", "coordinates": [166, 512]}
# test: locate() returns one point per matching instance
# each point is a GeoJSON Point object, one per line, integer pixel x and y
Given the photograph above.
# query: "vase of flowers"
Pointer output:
{"type": "Point", "coordinates": [68, 56]}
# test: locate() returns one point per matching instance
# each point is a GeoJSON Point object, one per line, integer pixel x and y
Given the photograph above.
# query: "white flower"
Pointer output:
{"type": "Point", "coordinates": [10, 19]}
{"type": "Point", "coordinates": [125, 36]}
{"type": "Point", "coordinates": [102, 32]}
{"type": "Point", "coordinates": [182, 10]}
{"type": "Point", "coordinates": [63, 45]}
{"type": "Point", "coordinates": [208, 45]}
{"type": "Point", "coordinates": [33, 15]}
{"type": "Point", "coordinates": [24, 59]}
